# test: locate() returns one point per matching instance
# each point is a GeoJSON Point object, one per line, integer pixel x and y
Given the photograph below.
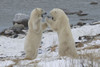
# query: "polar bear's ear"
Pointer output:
{"type": "Point", "coordinates": [36, 9]}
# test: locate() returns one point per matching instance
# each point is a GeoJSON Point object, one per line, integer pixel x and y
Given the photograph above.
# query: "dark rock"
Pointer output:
{"type": "Point", "coordinates": [94, 3]}
{"type": "Point", "coordinates": [88, 38]}
{"type": "Point", "coordinates": [79, 44]}
{"type": "Point", "coordinates": [21, 19]}
{"type": "Point", "coordinates": [23, 53]}
{"type": "Point", "coordinates": [15, 36]}
{"type": "Point", "coordinates": [2, 32]}
{"type": "Point", "coordinates": [86, 19]}
{"type": "Point", "coordinates": [68, 12]}
{"type": "Point", "coordinates": [71, 25]}
{"type": "Point", "coordinates": [81, 24]}
{"type": "Point", "coordinates": [81, 14]}
{"type": "Point", "coordinates": [42, 37]}
{"type": "Point", "coordinates": [41, 42]}
{"type": "Point", "coordinates": [13, 31]}
{"type": "Point", "coordinates": [8, 32]}
{"type": "Point", "coordinates": [1, 57]}
{"type": "Point", "coordinates": [17, 28]}
{"type": "Point", "coordinates": [50, 30]}
{"type": "Point", "coordinates": [80, 38]}
{"type": "Point", "coordinates": [40, 51]}
{"type": "Point", "coordinates": [94, 23]}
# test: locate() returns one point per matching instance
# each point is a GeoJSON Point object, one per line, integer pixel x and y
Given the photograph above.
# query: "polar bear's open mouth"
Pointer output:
{"type": "Point", "coordinates": [43, 14]}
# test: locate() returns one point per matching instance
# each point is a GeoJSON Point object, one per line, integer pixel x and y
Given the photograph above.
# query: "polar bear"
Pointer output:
{"type": "Point", "coordinates": [33, 37]}
{"type": "Point", "coordinates": [60, 23]}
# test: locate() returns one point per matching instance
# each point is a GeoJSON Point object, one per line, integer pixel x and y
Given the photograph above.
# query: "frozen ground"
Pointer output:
{"type": "Point", "coordinates": [11, 48]}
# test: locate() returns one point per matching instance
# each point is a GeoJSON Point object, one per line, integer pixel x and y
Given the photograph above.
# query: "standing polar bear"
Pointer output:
{"type": "Point", "coordinates": [60, 23]}
{"type": "Point", "coordinates": [33, 37]}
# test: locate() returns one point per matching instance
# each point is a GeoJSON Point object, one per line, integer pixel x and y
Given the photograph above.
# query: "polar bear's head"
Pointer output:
{"type": "Point", "coordinates": [38, 12]}
{"type": "Point", "coordinates": [57, 13]}
{"type": "Point", "coordinates": [57, 19]}
{"type": "Point", "coordinates": [36, 19]}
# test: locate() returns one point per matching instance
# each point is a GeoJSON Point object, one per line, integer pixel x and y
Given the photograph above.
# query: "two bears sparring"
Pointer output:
{"type": "Point", "coordinates": [59, 23]}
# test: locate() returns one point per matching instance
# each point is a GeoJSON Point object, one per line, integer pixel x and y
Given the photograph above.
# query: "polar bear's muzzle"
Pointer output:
{"type": "Point", "coordinates": [43, 14]}
{"type": "Point", "coordinates": [50, 17]}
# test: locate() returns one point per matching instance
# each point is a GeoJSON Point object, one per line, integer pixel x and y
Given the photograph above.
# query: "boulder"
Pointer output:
{"type": "Point", "coordinates": [14, 36]}
{"type": "Point", "coordinates": [21, 19]}
{"type": "Point", "coordinates": [81, 23]}
{"type": "Point", "coordinates": [7, 32]}
{"type": "Point", "coordinates": [95, 23]}
{"type": "Point", "coordinates": [79, 44]}
{"type": "Point", "coordinates": [94, 3]}
{"type": "Point", "coordinates": [17, 28]}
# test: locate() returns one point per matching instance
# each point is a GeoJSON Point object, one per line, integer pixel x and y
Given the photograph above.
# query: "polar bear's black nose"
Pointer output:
{"type": "Point", "coordinates": [50, 17]}
{"type": "Point", "coordinates": [44, 13]}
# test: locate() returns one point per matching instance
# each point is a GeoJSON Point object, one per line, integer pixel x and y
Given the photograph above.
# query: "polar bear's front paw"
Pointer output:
{"type": "Point", "coordinates": [48, 20]}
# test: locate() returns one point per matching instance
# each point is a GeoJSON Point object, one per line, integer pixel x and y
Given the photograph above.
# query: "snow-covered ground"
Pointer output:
{"type": "Point", "coordinates": [48, 52]}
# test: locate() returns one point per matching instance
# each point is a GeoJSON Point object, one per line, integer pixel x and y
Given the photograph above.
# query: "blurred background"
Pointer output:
{"type": "Point", "coordinates": [86, 11]}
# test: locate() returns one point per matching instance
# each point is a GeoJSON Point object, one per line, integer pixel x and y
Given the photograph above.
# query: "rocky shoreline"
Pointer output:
{"type": "Point", "coordinates": [20, 24]}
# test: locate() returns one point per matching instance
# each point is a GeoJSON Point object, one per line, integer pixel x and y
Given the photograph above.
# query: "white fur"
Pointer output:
{"type": "Point", "coordinates": [60, 24]}
{"type": "Point", "coordinates": [33, 38]}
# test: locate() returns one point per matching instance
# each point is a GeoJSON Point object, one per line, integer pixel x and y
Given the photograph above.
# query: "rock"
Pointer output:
{"type": "Point", "coordinates": [13, 31]}
{"type": "Point", "coordinates": [48, 30]}
{"type": "Point", "coordinates": [87, 38]}
{"type": "Point", "coordinates": [8, 32]}
{"type": "Point", "coordinates": [41, 42]}
{"type": "Point", "coordinates": [14, 36]}
{"type": "Point", "coordinates": [2, 32]}
{"type": "Point", "coordinates": [69, 12]}
{"type": "Point", "coordinates": [79, 13]}
{"type": "Point", "coordinates": [53, 48]}
{"type": "Point", "coordinates": [79, 44]}
{"type": "Point", "coordinates": [71, 25]}
{"type": "Point", "coordinates": [80, 38]}
{"type": "Point", "coordinates": [40, 51]}
{"type": "Point", "coordinates": [82, 14]}
{"type": "Point", "coordinates": [94, 23]}
{"type": "Point", "coordinates": [21, 19]}
{"type": "Point", "coordinates": [86, 19]}
{"type": "Point", "coordinates": [17, 28]}
{"type": "Point", "coordinates": [94, 3]}
{"type": "Point", "coordinates": [23, 53]}
{"type": "Point", "coordinates": [81, 24]}
{"type": "Point", "coordinates": [20, 36]}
